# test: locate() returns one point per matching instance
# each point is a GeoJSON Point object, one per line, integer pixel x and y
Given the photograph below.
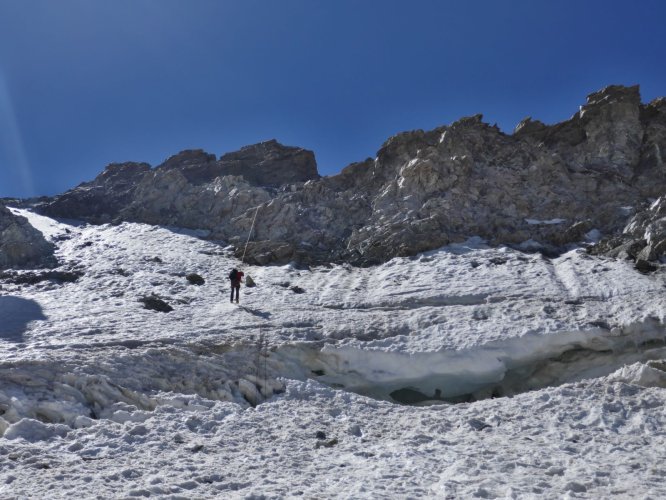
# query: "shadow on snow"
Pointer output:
{"type": "Point", "coordinates": [15, 314]}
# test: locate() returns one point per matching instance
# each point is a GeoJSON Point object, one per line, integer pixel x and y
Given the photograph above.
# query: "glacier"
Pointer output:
{"type": "Point", "coordinates": [463, 371]}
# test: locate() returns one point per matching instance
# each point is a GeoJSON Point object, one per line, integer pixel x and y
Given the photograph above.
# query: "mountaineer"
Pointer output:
{"type": "Point", "coordinates": [235, 277]}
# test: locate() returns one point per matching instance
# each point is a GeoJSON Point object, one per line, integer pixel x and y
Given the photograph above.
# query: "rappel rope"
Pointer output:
{"type": "Point", "coordinates": [250, 234]}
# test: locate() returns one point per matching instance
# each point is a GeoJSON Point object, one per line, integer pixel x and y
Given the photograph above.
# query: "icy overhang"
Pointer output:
{"type": "Point", "coordinates": [501, 368]}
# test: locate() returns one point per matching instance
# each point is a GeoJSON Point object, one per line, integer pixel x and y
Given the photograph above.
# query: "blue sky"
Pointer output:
{"type": "Point", "coordinates": [87, 82]}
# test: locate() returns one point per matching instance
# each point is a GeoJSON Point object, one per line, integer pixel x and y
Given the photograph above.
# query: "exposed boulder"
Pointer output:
{"type": "Point", "coordinates": [154, 303]}
{"type": "Point", "coordinates": [195, 279]}
{"type": "Point", "coordinates": [21, 245]}
{"type": "Point", "coordinates": [644, 266]}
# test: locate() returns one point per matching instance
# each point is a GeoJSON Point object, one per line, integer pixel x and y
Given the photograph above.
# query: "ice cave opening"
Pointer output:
{"type": "Point", "coordinates": [572, 365]}
{"type": "Point", "coordinates": [499, 369]}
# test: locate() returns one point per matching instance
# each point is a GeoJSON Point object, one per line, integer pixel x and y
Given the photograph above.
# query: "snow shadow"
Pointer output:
{"type": "Point", "coordinates": [256, 312]}
{"type": "Point", "coordinates": [15, 314]}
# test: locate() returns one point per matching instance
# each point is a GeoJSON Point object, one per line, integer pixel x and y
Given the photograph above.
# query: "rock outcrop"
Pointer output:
{"type": "Point", "coordinates": [21, 245]}
{"type": "Point", "coordinates": [542, 186]}
{"type": "Point", "coordinates": [270, 164]}
{"type": "Point", "coordinates": [643, 239]}
{"type": "Point", "coordinates": [190, 189]}
{"type": "Point", "coordinates": [100, 200]}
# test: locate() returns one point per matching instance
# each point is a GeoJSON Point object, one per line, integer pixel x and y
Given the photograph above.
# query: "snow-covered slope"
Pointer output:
{"type": "Point", "coordinates": [526, 376]}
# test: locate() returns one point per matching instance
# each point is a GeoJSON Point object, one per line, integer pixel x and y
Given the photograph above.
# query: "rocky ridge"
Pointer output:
{"type": "Point", "coordinates": [542, 187]}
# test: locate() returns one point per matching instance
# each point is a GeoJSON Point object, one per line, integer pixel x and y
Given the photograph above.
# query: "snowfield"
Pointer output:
{"type": "Point", "coordinates": [463, 372]}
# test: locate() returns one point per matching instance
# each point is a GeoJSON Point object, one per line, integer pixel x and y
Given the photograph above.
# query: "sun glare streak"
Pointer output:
{"type": "Point", "coordinates": [12, 153]}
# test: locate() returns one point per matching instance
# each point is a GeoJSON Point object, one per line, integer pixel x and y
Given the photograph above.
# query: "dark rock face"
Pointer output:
{"type": "Point", "coordinates": [650, 173]}
{"type": "Point", "coordinates": [30, 278]}
{"type": "Point", "coordinates": [190, 189]}
{"type": "Point", "coordinates": [195, 165]}
{"type": "Point", "coordinates": [21, 245]}
{"type": "Point", "coordinates": [548, 183]}
{"type": "Point", "coordinates": [101, 199]}
{"type": "Point", "coordinates": [271, 164]}
{"type": "Point", "coordinates": [643, 238]}
{"type": "Point", "coordinates": [264, 164]}
{"type": "Point", "coordinates": [551, 184]}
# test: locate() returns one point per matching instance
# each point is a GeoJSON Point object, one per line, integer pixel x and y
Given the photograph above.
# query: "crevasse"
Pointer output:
{"type": "Point", "coordinates": [501, 368]}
